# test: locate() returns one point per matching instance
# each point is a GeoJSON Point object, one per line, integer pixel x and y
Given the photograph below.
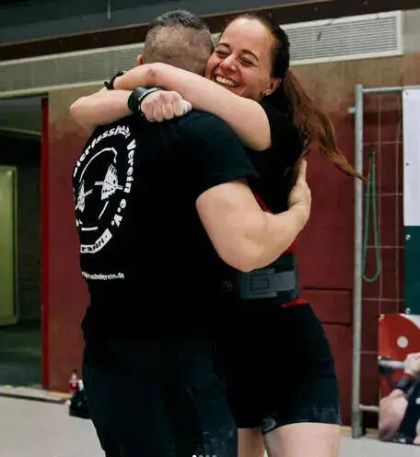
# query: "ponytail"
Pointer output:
{"type": "Point", "coordinates": [315, 126]}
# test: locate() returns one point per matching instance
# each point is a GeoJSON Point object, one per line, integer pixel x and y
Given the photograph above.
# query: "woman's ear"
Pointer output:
{"type": "Point", "coordinates": [139, 59]}
{"type": "Point", "coordinates": [274, 85]}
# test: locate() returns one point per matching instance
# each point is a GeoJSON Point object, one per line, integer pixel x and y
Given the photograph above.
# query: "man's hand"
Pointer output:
{"type": "Point", "coordinates": [412, 365]}
{"type": "Point", "coordinates": [164, 105]}
{"type": "Point", "coordinates": [300, 198]}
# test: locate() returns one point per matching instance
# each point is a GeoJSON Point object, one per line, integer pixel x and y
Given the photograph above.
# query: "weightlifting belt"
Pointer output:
{"type": "Point", "coordinates": [277, 281]}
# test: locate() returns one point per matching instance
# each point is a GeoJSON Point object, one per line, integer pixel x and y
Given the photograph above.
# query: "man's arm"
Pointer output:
{"type": "Point", "coordinates": [391, 413]}
{"type": "Point", "coordinates": [245, 236]}
{"type": "Point", "coordinates": [392, 408]}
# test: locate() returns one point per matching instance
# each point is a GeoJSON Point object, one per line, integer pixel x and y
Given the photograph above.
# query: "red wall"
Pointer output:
{"type": "Point", "coordinates": [67, 293]}
{"type": "Point", "coordinates": [325, 246]}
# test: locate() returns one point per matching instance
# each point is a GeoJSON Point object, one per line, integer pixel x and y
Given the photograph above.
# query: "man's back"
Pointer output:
{"type": "Point", "coordinates": [149, 265]}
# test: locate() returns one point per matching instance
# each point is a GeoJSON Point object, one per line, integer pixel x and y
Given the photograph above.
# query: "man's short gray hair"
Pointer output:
{"type": "Point", "coordinates": [178, 38]}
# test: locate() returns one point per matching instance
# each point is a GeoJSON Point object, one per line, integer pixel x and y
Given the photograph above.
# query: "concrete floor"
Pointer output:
{"type": "Point", "coordinates": [38, 429]}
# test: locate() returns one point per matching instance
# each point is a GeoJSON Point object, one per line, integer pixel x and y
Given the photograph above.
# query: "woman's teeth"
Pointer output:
{"type": "Point", "coordinates": [226, 82]}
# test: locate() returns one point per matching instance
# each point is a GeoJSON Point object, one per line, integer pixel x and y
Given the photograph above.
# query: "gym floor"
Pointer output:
{"type": "Point", "coordinates": [38, 429]}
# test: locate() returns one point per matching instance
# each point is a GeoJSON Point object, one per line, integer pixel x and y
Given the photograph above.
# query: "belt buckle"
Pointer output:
{"type": "Point", "coordinates": [261, 281]}
{"type": "Point", "coordinates": [257, 284]}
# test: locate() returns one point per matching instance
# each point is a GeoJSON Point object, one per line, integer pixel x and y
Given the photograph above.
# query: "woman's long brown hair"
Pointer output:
{"type": "Point", "coordinates": [315, 126]}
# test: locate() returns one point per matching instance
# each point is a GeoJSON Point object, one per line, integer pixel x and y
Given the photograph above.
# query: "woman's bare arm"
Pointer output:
{"type": "Point", "coordinates": [246, 117]}
{"type": "Point", "coordinates": [100, 108]}
{"type": "Point", "coordinates": [106, 106]}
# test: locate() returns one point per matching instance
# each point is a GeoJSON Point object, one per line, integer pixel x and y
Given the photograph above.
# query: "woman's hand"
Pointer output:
{"type": "Point", "coordinates": [164, 105]}
{"type": "Point", "coordinates": [300, 198]}
{"type": "Point", "coordinates": [412, 364]}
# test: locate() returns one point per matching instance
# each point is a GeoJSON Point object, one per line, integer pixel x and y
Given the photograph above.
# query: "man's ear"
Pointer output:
{"type": "Point", "coordinates": [139, 59]}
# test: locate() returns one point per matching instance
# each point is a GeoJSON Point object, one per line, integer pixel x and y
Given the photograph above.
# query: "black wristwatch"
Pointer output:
{"type": "Point", "coordinates": [406, 383]}
{"type": "Point", "coordinates": [110, 84]}
{"type": "Point", "coordinates": [137, 96]}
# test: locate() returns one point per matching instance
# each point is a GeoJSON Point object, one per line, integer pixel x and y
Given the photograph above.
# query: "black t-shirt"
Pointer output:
{"type": "Point", "coordinates": [275, 165]}
{"type": "Point", "coordinates": [149, 265]}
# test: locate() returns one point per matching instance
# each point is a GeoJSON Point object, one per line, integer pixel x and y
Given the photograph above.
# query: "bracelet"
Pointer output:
{"type": "Point", "coordinates": [110, 84]}
{"type": "Point", "coordinates": [406, 383]}
{"type": "Point", "coordinates": [137, 96]}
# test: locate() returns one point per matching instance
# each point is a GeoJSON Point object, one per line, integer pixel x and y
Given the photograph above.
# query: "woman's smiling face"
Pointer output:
{"type": "Point", "coordinates": [242, 60]}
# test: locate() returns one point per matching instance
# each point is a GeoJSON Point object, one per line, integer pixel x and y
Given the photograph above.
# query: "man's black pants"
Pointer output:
{"type": "Point", "coordinates": [158, 398]}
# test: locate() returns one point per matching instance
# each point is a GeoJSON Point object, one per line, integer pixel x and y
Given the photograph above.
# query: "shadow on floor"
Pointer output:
{"type": "Point", "coordinates": [20, 354]}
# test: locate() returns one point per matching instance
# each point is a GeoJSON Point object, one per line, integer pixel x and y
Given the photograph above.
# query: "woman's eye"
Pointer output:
{"type": "Point", "coordinates": [221, 53]}
{"type": "Point", "coordinates": [246, 62]}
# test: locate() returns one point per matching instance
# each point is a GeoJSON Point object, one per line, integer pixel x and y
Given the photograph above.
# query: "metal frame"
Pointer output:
{"type": "Point", "coordinates": [45, 90]}
{"type": "Point", "coordinates": [16, 297]}
{"type": "Point", "coordinates": [357, 407]}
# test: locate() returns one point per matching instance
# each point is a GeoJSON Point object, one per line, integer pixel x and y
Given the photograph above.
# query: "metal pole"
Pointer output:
{"type": "Point", "coordinates": [369, 408]}
{"type": "Point", "coordinates": [386, 90]}
{"type": "Point", "coordinates": [356, 421]}
{"type": "Point", "coordinates": [357, 407]}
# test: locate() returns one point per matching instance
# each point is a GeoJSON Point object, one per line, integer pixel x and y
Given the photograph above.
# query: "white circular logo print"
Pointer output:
{"type": "Point", "coordinates": [103, 179]}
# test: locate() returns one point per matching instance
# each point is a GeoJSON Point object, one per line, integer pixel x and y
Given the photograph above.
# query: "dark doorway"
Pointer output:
{"type": "Point", "coordinates": [20, 149]}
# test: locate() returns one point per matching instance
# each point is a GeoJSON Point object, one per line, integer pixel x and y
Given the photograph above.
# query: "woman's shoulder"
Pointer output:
{"type": "Point", "coordinates": [285, 136]}
{"type": "Point", "coordinates": [278, 114]}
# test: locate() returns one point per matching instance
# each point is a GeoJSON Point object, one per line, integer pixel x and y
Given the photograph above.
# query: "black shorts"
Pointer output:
{"type": "Point", "coordinates": [279, 368]}
{"type": "Point", "coordinates": [158, 399]}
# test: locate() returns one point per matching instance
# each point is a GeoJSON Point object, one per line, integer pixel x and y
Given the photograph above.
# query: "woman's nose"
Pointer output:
{"type": "Point", "coordinates": [229, 63]}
